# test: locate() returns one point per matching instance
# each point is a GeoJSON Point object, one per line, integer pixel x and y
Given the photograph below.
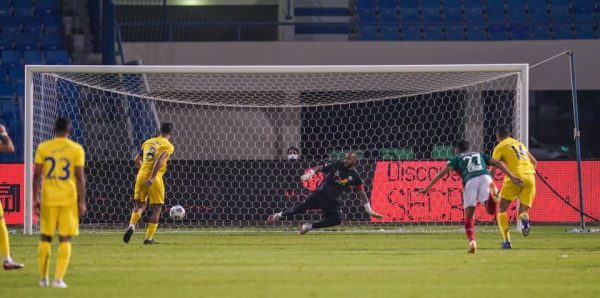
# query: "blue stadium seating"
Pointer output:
{"type": "Point", "coordinates": [563, 31]}
{"type": "Point", "coordinates": [409, 11]}
{"type": "Point", "coordinates": [583, 10]}
{"type": "Point", "coordinates": [17, 76]}
{"type": "Point", "coordinates": [52, 24]}
{"type": "Point", "coordinates": [46, 7]}
{"type": "Point", "coordinates": [452, 10]}
{"type": "Point", "coordinates": [6, 42]}
{"type": "Point", "coordinates": [433, 32]}
{"type": "Point", "coordinates": [10, 25]}
{"type": "Point", "coordinates": [431, 12]}
{"type": "Point", "coordinates": [367, 16]}
{"type": "Point", "coordinates": [559, 9]}
{"type": "Point", "coordinates": [584, 31]}
{"type": "Point", "coordinates": [476, 32]}
{"type": "Point", "coordinates": [455, 32]}
{"type": "Point", "coordinates": [31, 24]}
{"type": "Point", "coordinates": [495, 12]}
{"type": "Point", "coordinates": [541, 31]}
{"type": "Point", "coordinates": [390, 33]}
{"type": "Point", "coordinates": [5, 8]}
{"type": "Point", "coordinates": [366, 32]}
{"type": "Point", "coordinates": [3, 74]}
{"type": "Point", "coordinates": [388, 11]}
{"type": "Point", "coordinates": [411, 32]}
{"type": "Point", "coordinates": [538, 10]}
{"type": "Point", "coordinates": [27, 42]}
{"type": "Point", "coordinates": [52, 41]}
{"type": "Point", "coordinates": [6, 92]}
{"type": "Point", "coordinates": [33, 57]}
{"type": "Point", "coordinates": [473, 11]}
{"type": "Point", "coordinates": [497, 31]}
{"type": "Point", "coordinates": [11, 58]}
{"type": "Point", "coordinates": [517, 11]}
{"type": "Point", "coordinates": [519, 31]}
{"type": "Point", "coordinates": [23, 8]}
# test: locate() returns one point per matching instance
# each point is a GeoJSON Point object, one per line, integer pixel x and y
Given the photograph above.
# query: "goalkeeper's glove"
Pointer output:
{"type": "Point", "coordinates": [371, 212]}
{"type": "Point", "coordinates": [308, 175]}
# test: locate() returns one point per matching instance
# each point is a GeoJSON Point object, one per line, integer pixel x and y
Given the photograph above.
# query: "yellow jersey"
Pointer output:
{"type": "Point", "coordinates": [515, 155]}
{"type": "Point", "coordinates": [151, 150]}
{"type": "Point", "coordinates": [59, 157]}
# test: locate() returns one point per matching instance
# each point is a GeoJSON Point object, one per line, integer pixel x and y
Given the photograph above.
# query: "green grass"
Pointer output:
{"type": "Point", "coordinates": [550, 263]}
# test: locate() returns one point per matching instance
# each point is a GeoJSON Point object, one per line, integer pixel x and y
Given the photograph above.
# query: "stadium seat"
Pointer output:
{"type": "Point", "coordinates": [5, 8]}
{"type": "Point", "coordinates": [559, 10]}
{"type": "Point", "coordinates": [474, 11]}
{"type": "Point", "coordinates": [57, 57]}
{"type": "Point", "coordinates": [433, 32]}
{"type": "Point", "coordinates": [26, 42]}
{"type": "Point", "coordinates": [495, 12]}
{"type": "Point", "coordinates": [583, 10]}
{"type": "Point", "coordinates": [519, 31]}
{"type": "Point", "coordinates": [23, 8]}
{"type": "Point", "coordinates": [6, 42]}
{"type": "Point", "coordinates": [6, 92]}
{"type": "Point", "coordinates": [3, 74]}
{"type": "Point", "coordinates": [452, 10]}
{"type": "Point", "coordinates": [17, 76]}
{"type": "Point", "coordinates": [563, 31]}
{"type": "Point", "coordinates": [397, 154]}
{"type": "Point", "coordinates": [584, 31]}
{"type": "Point", "coordinates": [52, 41]}
{"type": "Point", "coordinates": [33, 57]}
{"type": "Point", "coordinates": [431, 12]}
{"type": "Point", "coordinates": [388, 11]}
{"type": "Point", "coordinates": [11, 59]}
{"type": "Point", "coordinates": [517, 11]}
{"type": "Point", "coordinates": [455, 32]}
{"type": "Point", "coordinates": [538, 10]}
{"type": "Point", "coordinates": [390, 33]}
{"type": "Point", "coordinates": [367, 16]}
{"type": "Point", "coordinates": [411, 32]}
{"type": "Point", "coordinates": [52, 24]}
{"type": "Point", "coordinates": [409, 11]}
{"type": "Point", "coordinates": [367, 32]}
{"type": "Point", "coordinates": [46, 7]}
{"type": "Point", "coordinates": [497, 31]}
{"type": "Point", "coordinates": [540, 31]}
{"type": "Point", "coordinates": [442, 151]}
{"type": "Point", "coordinates": [31, 24]}
{"type": "Point", "coordinates": [10, 26]}
{"type": "Point", "coordinates": [476, 32]}
{"type": "Point", "coordinates": [366, 4]}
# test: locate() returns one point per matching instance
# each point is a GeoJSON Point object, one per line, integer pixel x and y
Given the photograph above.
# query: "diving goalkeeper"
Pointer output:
{"type": "Point", "coordinates": [339, 176]}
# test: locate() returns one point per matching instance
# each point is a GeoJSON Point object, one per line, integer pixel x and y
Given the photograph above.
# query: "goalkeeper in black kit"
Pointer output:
{"type": "Point", "coordinates": [339, 176]}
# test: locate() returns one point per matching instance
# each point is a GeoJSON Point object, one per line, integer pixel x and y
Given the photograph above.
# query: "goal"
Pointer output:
{"type": "Point", "coordinates": [234, 127]}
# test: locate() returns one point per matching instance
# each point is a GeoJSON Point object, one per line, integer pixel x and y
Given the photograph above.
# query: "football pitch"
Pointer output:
{"type": "Point", "coordinates": [549, 263]}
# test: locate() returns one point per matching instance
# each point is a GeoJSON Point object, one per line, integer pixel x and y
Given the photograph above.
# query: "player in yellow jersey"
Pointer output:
{"type": "Point", "coordinates": [6, 146]}
{"type": "Point", "coordinates": [59, 194]}
{"type": "Point", "coordinates": [149, 186]}
{"type": "Point", "coordinates": [519, 161]}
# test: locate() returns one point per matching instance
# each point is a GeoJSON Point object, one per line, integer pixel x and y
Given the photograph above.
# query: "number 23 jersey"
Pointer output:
{"type": "Point", "coordinates": [59, 157]}
{"type": "Point", "coordinates": [151, 150]}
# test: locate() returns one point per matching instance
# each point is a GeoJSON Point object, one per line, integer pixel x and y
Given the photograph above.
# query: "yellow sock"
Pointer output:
{"type": "Point", "coordinates": [503, 225]}
{"type": "Point", "coordinates": [151, 229]}
{"type": "Point", "coordinates": [4, 246]}
{"type": "Point", "coordinates": [62, 259]}
{"type": "Point", "coordinates": [44, 258]}
{"type": "Point", "coordinates": [135, 217]}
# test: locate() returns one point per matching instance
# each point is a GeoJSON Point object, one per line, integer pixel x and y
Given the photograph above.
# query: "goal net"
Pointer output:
{"type": "Point", "coordinates": [234, 128]}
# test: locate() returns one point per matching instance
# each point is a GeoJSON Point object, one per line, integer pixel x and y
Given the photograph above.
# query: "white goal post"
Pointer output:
{"type": "Point", "coordinates": [242, 118]}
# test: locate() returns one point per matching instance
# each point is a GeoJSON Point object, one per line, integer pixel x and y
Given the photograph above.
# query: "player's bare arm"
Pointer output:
{"type": "Point", "coordinates": [138, 160]}
{"type": "Point", "coordinates": [80, 177]}
{"type": "Point", "coordinates": [500, 165]}
{"type": "Point", "coordinates": [37, 186]}
{"type": "Point", "coordinates": [157, 164]}
{"type": "Point", "coordinates": [435, 179]}
{"type": "Point", "coordinates": [6, 146]}
{"type": "Point", "coordinates": [365, 201]}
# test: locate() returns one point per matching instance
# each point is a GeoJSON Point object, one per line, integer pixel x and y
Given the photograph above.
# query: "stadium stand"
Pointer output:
{"type": "Point", "coordinates": [31, 33]}
{"type": "Point", "coordinates": [475, 19]}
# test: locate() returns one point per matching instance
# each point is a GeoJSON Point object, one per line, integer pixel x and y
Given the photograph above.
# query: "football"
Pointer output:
{"type": "Point", "coordinates": [177, 212]}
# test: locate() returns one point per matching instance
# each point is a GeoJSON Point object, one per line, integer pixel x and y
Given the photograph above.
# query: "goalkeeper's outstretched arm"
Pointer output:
{"type": "Point", "coordinates": [365, 201]}
{"type": "Point", "coordinates": [311, 172]}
